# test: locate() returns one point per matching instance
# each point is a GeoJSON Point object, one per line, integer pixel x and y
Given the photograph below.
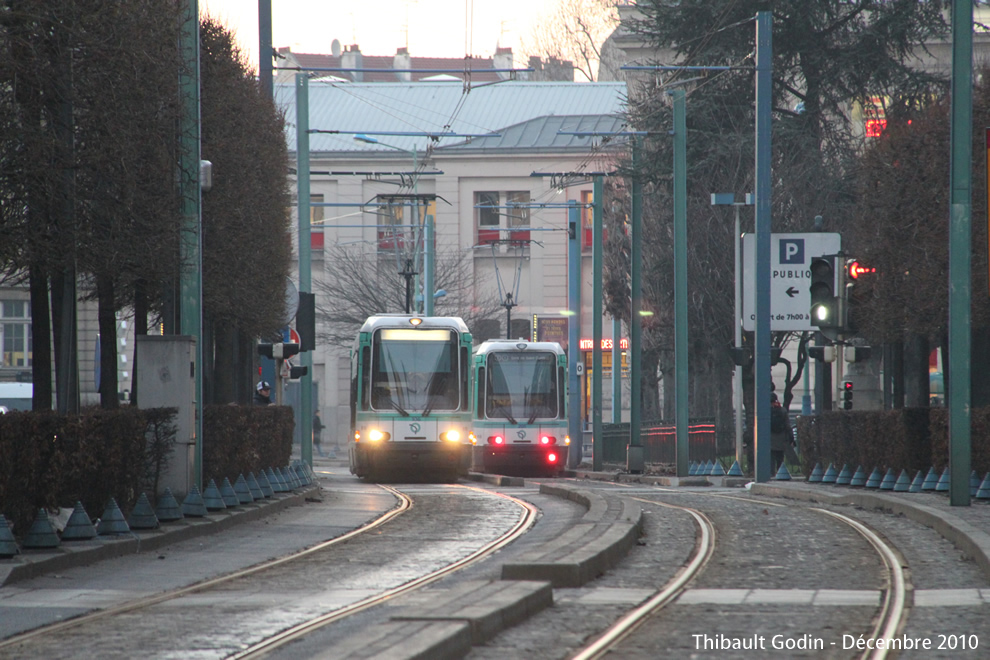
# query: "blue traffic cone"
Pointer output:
{"type": "Point", "coordinates": [228, 495]}
{"type": "Point", "coordinates": [845, 476]}
{"type": "Point", "coordinates": [735, 470]}
{"type": "Point", "coordinates": [931, 480]}
{"type": "Point", "coordinates": [873, 481]}
{"type": "Point", "coordinates": [903, 482]}
{"type": "Point", "coordinates": [290, 477]}
{"type": "Point", "coordinates": [859, 478]}
{"type": "Point", "coordinates": [8, 546]}
{"type": "Point", "coordinates": [112, 521]}
{"type": "Point", "coordinates": [42, 532]}
{"type": "Point", "coordinates": [915, 486]}
{"type": "Point", "coordinates": [143, 516]}
{"type": "Point", "coordinates": [194, 506]}
{"type": "Point", "coordinates": [983, 493]}
{"type": "Point", "coordinates": [212, 498]}
{"type": "Point", "coordinates": [717, 470]}
{"type": "Point", "coordinates": [168, 507]}
{"type": "Point", "coordinates": [782, 473]}
{"type": "Point", "coordinates": [692, 469]}
{"type": "Point", "coordinates": [266, 486]}
{"type": "Point", "coordinates": [943, 481]}
{"type": "Point", "coordinates": [244, 495]}
{"type": "Point", "coordinates": [255, 487]}
{"type": "Point", "coordinates": [974, 483]}
{"type": "Point", "coordinates": [830, 474]}
{"type": "Point", "coordinates": [816, 474]}
{"type": "Point", "coordinates": [889, 479]}
{"type": "Point", "coordinates": [79, 527]}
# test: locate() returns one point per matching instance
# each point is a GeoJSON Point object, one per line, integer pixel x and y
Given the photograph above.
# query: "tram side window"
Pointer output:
{"type": "Point", "coordinates": [465, 367]}
{"type": "Point", "coordinates": [480, 394]}
{"type": "Point", "coordinates": [365, 377]}
{"type": "Point", "coordinates": [561, 392]}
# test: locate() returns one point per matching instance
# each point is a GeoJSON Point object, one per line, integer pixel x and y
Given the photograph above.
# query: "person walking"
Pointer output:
{"type": "Point", "coordinates": [262, 394]}
{"type": "Point", "coordinates": [317, 432]}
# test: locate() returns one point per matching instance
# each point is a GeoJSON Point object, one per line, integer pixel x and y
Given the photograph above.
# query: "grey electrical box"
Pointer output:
{"type": "Point", "coordinates": [165, 368]}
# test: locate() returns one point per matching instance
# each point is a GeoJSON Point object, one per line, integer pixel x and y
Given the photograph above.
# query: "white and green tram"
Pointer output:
{"type": "Point", "coordinates": [520, 407]}
{"type": "Point", "coordinates": [410, 398]}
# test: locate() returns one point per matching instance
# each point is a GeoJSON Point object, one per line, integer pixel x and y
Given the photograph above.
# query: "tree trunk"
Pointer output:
{"type": "Point", "coordinates": [916, 384]}
{"type": "Point", "coordinates": [140, 330]}
{"type": "Point", "coordinates": [107, 315]}
{"type": "Point", "coordinates": [41, 360]}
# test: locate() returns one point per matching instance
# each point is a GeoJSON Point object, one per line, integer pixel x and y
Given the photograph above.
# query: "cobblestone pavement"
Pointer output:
{"type": "Point", "coordinates": [782, 574]}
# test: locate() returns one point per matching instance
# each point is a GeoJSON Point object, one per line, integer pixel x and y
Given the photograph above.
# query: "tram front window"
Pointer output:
{"type": "Point", "coordinates": [522, 387]}
{"type": "Point", "coordinates": [414, 370]}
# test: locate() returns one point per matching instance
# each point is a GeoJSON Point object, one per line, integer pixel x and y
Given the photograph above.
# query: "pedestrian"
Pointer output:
{"type": "Point", "coordinates": [262, 394]}
{"type": "Point", "coordinates": [781, 436]}
{"type": "Point", "coordinates": [317, 432]}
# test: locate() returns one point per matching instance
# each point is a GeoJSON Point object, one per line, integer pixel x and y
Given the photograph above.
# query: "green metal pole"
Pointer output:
{"type": "Point", "coordinates": [960, 254]}
{"type": "Point", "coordinates": [761, 366]}
{"type": "Point", "coordinates": [680, 281]}
{"type": "Point", "coordinates": [597, 254]}
{"type": "Point", "coordinates": [635, 461]}
{"type": "Point", "coordinates": [616, 370]}
{"type": "Point", "coordinates": [574, 426]}
{"type": "Point", "coordinates": [191, 257]}
{"type": "Point", "coordinates": [305, 263]}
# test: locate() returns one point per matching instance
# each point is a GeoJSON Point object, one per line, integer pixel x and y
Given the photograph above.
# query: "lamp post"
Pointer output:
{"type": "Point", "coordinates": [428, 229]}
{"type": "Point", "coordinates": [729, 199]}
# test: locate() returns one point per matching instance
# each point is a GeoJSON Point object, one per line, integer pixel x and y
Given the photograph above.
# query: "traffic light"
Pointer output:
{"type": "Point", "coordinates": [824, 304]}
{"type": "Point", "coordinates": [306, 321]}
{"type": "Point", "coordinates": [278, 351]}
{"type": "Point", "coordinates": [857, 353]}
{"type": "Point", "coordinates": [847, 395]}
{"type": "Point", "coordinates": [854, 269]}
{"type": "Point", "coordinates": [822, 353]}
{"type": "Point", "coordinates": [297, 372]}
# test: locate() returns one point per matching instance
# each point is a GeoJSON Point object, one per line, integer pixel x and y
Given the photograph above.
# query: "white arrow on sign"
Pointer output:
{"type": "Point", "coordinates": [790, 277]}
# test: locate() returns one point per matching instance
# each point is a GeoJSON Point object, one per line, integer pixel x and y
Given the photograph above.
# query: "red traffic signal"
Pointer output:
{"type": "Point", "coordinates": [854, 269]}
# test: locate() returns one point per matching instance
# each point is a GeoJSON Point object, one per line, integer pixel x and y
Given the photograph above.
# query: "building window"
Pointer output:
{"type": "Point", "coordinates": [503, 218]}
{"type": "Point", "coordinates": [587, 219]}
{"type": "Point", "coordinates": [15, 333]}
{"type": "Point", "coordinates": [316, 224]}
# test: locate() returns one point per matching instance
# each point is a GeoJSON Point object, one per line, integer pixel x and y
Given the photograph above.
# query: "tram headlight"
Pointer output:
{"type": "Point", "coordinates": [451, 436]}
{"type": "Point", "coordinates": [377, 436]}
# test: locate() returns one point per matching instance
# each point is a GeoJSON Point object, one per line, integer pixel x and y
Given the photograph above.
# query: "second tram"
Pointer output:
{"type": "Point", "coordinates": [409, 395]}
{"type": "Point", "coordinates": [520, 412]}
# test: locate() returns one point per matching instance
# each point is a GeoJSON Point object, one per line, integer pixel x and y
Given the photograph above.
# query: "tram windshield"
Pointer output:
{"type": "Point", "coordinates": [414, 370]}
{"type": "Point", "coordinates": [521, 386]}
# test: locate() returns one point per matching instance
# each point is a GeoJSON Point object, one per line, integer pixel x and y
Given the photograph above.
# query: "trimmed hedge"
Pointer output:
{"type": "Point", "coordinates": [908, 438]}
{"type": "Point", "coordinates": [52, 461]}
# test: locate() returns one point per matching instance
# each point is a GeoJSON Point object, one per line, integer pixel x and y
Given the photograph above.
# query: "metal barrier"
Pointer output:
{"type": "Point", "coordinates": [659, 441]}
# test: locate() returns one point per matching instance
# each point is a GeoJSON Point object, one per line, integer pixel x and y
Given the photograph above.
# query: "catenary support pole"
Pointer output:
{"type": "Point", "coordinates": [597, 254]}
{"type": "Point", "coordinates": [960, 254]}
{"type": "Point", "coordinates": [635, 461]}
{"type": "Point", "coordinates": [574, 426]}
{"type": "Point", "coordinates": [680, 280]}
{"type": "Point", "coordinates": [305, 263]}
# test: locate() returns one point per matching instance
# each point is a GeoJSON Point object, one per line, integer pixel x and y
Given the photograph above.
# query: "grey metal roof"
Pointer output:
{"type": "Point", "coordinates": [438, 107]}
{"type": "Point", "coordinates": [544, 133]}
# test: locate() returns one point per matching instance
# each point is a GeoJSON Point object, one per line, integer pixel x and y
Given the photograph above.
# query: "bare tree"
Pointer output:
{"type": "Point", "coordinates": [575, 31]}
{"type": "Point", "coordinates": [359, 285]}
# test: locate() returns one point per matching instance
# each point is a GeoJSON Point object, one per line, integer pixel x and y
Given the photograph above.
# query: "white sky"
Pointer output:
{"type": "Point", "coordinates": [434, 28]}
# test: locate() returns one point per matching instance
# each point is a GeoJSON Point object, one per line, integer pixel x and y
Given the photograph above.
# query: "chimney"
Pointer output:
{"type": "Point", "coordinates": [502, 60]}
{"type": "Point", "coordinates": [352, 58]}
{"type": "Point", "coordinates": [402, 61]}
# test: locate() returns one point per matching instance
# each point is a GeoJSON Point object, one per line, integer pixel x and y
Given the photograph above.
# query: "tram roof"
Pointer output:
{"type": "Point", "coordinates": [402, 321]}
{"type": "Point", "coordinates": [492, 345]}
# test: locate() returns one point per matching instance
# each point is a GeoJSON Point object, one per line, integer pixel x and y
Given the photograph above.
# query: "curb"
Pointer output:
{"type": "Point", "coordinates": [672, 482]}
{"type": "Point", "coordinates": [972, 541]}
{"type": "Point", "coordinates": [32, 563]}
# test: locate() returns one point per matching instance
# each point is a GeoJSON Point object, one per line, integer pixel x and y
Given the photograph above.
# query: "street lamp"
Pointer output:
{"type": "Point", "coordinates": [729, 199]}
{"type": "Point", "coordinates": [428, 229]}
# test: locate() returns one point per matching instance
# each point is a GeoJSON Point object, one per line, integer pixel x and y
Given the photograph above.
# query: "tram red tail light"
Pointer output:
{"type": "Point", "coordinates": [496, 440]}
{"type": "Point", "coordinates": [548, 440]}
{"type": "Point", "coordinates": [551, 458]}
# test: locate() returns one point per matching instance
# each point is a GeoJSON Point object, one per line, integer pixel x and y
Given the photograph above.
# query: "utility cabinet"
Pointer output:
{"type": "Point", "coordinates": [166, 378]}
